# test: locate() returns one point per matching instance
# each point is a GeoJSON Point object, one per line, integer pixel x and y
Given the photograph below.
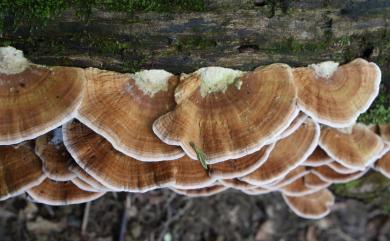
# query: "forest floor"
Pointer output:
{"type": "Point", "coordinates": [164, 215]}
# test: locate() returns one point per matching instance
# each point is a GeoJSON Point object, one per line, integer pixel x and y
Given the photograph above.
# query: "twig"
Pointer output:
{"type": "Point", "coordinates": [172, 219]}
{"type": "Point", "coordinates": [125, 218]}
{"type": "Point", "coordinates": [49, 209]}
{"type": "Point", "coordinates": [84, 224]}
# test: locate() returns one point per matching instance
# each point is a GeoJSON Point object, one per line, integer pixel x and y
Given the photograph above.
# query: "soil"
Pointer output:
{"type": "Point", "coordinates": [165, 215]}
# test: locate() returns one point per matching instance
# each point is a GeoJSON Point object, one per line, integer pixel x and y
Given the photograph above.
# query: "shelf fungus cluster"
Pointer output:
{"type": "Point", "coordinates": [69, 135]}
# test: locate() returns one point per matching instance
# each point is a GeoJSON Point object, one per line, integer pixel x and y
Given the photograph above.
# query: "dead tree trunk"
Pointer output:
{"type": "Point", "coordinates": [235, 34]}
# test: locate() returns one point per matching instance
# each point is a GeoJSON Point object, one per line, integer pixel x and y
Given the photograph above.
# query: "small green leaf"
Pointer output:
{"type": "Point", "coordinates": [200, 155]}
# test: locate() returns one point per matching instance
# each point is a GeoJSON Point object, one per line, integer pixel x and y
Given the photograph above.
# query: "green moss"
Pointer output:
{"type": "Point", "coordinates": [372, 188]}
{"type": "Point", "coordinates": [35, 12]}
{"type": "Point", "coordinates": [344, 41]}
{"type": "Point", "coordinates": [101, 44]}
{"type": "Point", "coordinates": [379, 112]}
{"type": "Point", "coordinates": [294, 46]}
{"type": "Point", "coordinates": [195, 42]}
{"type": "Point", "coordinates": [275, 5]}
{"type": "Point", "coordinates": [15, 12]}
{"type": "Point", "coordinates": [346, 187]}
{"type": "Point", "coordinates": [150, 5]}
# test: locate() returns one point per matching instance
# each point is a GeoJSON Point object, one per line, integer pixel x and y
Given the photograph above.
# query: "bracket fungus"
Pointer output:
{"type": "Point", "coordinates": [61, 193]}
{"type": "Point", "coordinates": [313, 206]}
{"type": "Point", "coordinates": [291, 176]}
{"type": "Point", "coordinates": [340, 168]}
{"type": "Point", "coordinates": [317, 158]}
{"type": "Point", "coordinates": [299, 188]}
{"type": "Point", "coordinates": [201, 192]}
{"type": "Point", "coordinates": [336, 95]}
{"type": "Point", "coordinates": [20, 169]}
{"type": "Point", "coordinates": [123, 107]}
{"type": "Point", "coordinates": [312, 180]}
{"type": "Point", "coordinates": [56, 159]}
{"type": "Point", "coordinates": [257, 132]}
{"type": "Point", "coordinates": [287, 154]}
{"type": "Point", "coordinates": [256, 191]}
{"type": "Point", "coordinates": [383, 165]}
{"type": "Point", "coordinates": [83, 176]}
{"type": "Point", "coordinates": [84, 185]}
{"type": "Point", "coordinates": [236, 183]}
{"type": "Point", "coordinates": [355, 147]}
{"type": "Point", "coordinates": [295, 124]}
{"type": "Point", "coordinates": [231, 120]}
{"type": "Point", "coordinates": [119, 172]}
{"type": "Point", "coordinates": [35, 99]}
{"type": "Point", "coordinates": [327, 174]}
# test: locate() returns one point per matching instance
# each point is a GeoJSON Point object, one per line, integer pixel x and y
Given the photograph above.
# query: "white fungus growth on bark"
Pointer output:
{"type": "Point", "coordinates": [218, 79]}
{"type": "Point", "coordinates": [325, 69]}
{"type": "Point", "coordinates": [152, 81]}
{"type": "Point", "coordinates": [12, 61]}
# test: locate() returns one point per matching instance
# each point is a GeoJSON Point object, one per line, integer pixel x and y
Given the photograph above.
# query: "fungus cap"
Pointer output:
{"type": "Point", "coordinates": [295, 124]}
{"type": "Point", "coordinates": [384, 130]}
{"type": "Point", "coordinates": [84, 185]}
{"type": "Point", "coordinates": [355, 147]}
{"type": "Point", "coordinates": [385, 149]}
{"type": "Point", "coordinates": [88, 179]}
{"type": "Point", "coordinates": [287, 154]}
{"type": "Point", "coordinates": [327, 174]}
{"type": "Point", "coordinates": [201, 192]}
{"type": "Point", "coordinates": [312, 206]}
{"type": "Point", "coordinates": [122, 108]}
{"type": "Point", "coordinates": [56, 159]}
{"type": "Point", "coordinates": [37, 99]}
{"type": "Point", "coordinates": [119, 172]}
{"type": "Point", "coordinates": [20, 169]}
{"type": "Point", "coordinates": [236, 183]}
{"type": "Point", "coordinates": [340, 168]}
{"type": "Point", "coordinates": [312, 180]}
{"type": "Point", "coordinates": [61, 193]}
{"type": "Point", "coordinates": [231, 122]}
{"type": "Point", "coordinates": [291, 176]}
{"type": "Point", "coordinates": [383, 165]}
{"type": "Point", "coordinates": [256, 191]}
{"type": "Point", "coordinates": [336, 96]}
{"type": "Point", "coordinates": [299, 188]}
{"type": "Point", "coordinates": [317, 158]}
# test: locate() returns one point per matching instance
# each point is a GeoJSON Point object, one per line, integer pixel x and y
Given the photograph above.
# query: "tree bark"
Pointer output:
{"type": "Point", "coordinates": [236, 34]}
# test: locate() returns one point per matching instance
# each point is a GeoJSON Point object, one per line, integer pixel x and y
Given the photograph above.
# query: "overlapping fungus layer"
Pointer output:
{"type": "Point", "coordinates": [69, 135]}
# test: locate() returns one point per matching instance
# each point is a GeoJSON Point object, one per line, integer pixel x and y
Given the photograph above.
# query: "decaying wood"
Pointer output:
{"type": "Point", "coordinates": [235, 34]}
